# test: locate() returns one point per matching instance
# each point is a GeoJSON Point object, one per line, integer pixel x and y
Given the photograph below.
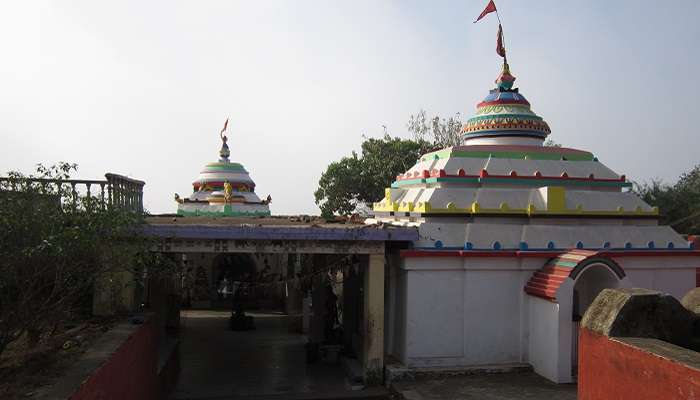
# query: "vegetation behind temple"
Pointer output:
{"type": "Point", "coordinates": [55, 246]}
{"type": "Point", "coordinates": [678, 203]}
{"type": "Point", "coordinates": [355, 182]}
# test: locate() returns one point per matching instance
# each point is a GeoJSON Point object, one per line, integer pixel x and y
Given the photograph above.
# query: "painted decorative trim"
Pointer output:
{"type": "Point", "coordinates": [484, 173]}
{"type": "Point", "coordinates": [505, 209]}
{"type": "Point", "coordinates": [511, 152]}
{"type": "Point", "coordinates": [539, 253]}
{"type": "Point", "coordinates": [503, 132]}
{"type": "Point", "coordinates": [250, 187]}
{"type": "Point", "coordinates": [546, 281]}
{"type": "Point", "coordinates": [484, 177]}
{"type": "Point", "coordinates": [227, 211]}
{"type": "Point", "coordinates": [551, 246]}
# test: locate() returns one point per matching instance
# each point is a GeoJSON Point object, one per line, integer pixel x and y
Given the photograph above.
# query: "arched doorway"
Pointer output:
{"type": "Point", "coordinates": [590, 279]}
{"type": "Point", "coordinates": [560, 292]}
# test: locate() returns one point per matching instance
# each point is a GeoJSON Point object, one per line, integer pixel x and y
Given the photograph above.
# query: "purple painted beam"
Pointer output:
{"type": "Point", "coordinates": [361, 233]}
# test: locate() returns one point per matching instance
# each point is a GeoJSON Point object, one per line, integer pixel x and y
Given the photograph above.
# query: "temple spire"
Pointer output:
{"type": "Point", "coordinates": [224, 153]}
{"type": "Point", "coordinates": [505, 80]}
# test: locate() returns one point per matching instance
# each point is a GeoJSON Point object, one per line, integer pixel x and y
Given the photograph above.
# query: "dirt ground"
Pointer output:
{"type": "Point", "coordinates": [23, 370]}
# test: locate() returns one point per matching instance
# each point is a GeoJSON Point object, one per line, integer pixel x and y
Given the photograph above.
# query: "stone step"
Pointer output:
{"type": "Point", "coordinates": [399, 372]}
{"type": "Point", "coordinates": [372, 393]}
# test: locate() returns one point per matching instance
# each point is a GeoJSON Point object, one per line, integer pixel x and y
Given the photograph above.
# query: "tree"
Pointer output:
{"type": "Point", "coordinates": [354, 183]}
{"type": "Point", "coordinates": [357, 181]}
{"type": "Point", "coordinates": [551, 143]}
{"type": "Point", "coordinates": [679, 204]}
{"type": "Point", "coordinates": [54, 245]}
{"type": "Point", "coordinates": [440, 131]}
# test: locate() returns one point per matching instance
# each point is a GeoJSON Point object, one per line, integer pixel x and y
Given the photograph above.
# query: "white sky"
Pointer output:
{"type": "Point", "coordinates": [142, 87]}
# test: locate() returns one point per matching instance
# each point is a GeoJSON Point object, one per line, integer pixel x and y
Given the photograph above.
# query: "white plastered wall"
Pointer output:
{"type": "Point", "coordinates": [462, 312]}
{"type": "Point", "coordinates": [673, 275]}
{"type": "Point", "coordinates": [454, 311]}
{"type": "Point", "coordinates": [543, 317]}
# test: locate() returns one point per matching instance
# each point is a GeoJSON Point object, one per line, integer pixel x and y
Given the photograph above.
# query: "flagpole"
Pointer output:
{"type": "Point", "coordinates": [503, 36]}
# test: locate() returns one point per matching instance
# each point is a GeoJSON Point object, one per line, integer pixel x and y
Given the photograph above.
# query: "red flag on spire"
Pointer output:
{"type": "Point", "coordinates": [499, 43]}
{"type": "Point", "coordinates": [225, 126]}
{"type": "Point", "coordinates": [491, 7]}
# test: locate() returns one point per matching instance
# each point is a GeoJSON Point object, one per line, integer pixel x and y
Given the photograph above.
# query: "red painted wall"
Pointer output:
{"type": "Point", "coordinates": [609, 369]}
{"type": "Point", "coordinates": [130, 373]}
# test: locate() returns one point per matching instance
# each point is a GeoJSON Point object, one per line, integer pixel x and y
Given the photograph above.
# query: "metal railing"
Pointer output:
{"type": "Point", "coordinates": [116, 191]}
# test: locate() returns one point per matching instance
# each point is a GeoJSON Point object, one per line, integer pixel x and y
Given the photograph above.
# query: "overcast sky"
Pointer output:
{"type": "Point", "coordinates": [143, 87]}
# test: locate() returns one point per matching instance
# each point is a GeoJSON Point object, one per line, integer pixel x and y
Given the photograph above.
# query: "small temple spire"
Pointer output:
{"type": "Point", "coordinates": [505, 80]}
{"type": "Point", "coordinates": [224, 153]}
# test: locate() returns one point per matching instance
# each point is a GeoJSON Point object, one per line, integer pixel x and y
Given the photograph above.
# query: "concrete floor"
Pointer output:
{"type": "Point", "coordinates": [217, 363]}
{"type": "Point", "coordinates": [506, 386]}
{"type": "Point", "coordinates": [270, 363]}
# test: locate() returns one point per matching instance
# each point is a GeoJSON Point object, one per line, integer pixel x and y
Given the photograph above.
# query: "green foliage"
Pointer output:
{"type": "Point", "coordinates": [339, 187]}
{"type": "Point", "coordinates": [679, 203]}
{"type": "Point", "coordinates": [54, 244]}
{"type": "Point", "coordinates": [356, 181]}
{"type": "Point", "coordinates": [440, 131]}
{"type": "Point", "coordinates": [551, 143]}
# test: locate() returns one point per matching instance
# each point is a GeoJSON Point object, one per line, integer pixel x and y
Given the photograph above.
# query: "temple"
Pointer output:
{"type": "Point", "coordinates": [516, 240]}
{"type": "Point", "coordinates": [223, 188]}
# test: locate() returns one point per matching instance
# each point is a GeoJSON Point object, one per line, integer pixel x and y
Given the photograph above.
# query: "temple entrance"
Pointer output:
{"type": "Point", "coordinates": [273, 324]}
{"type": "Point", "coordinates": [239, 280]}
{"type": "Point", "coordinates": [559, 295]}
{"type": "Point", "coordinates": [590, 281]}
{"type": "Point", "coordinates": [308, 265]}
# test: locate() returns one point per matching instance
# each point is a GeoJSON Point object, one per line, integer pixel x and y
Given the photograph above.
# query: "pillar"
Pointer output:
{"type": "Point", "coordinates": [373, 343]}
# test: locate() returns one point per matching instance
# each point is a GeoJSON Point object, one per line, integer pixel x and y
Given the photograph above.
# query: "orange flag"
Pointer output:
{"type": "Point", "coordinates": [225, 125]}
{"type": "Point", "coordinates": [499, 43]}
{"type": "Point", "coordinates": [491, 7]}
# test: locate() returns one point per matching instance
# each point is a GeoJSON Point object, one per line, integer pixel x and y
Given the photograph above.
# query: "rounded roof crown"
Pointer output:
{"type": "Point", "coordinates": [505, 112]}
{"type": "Point", "coordinates": [224, 170]}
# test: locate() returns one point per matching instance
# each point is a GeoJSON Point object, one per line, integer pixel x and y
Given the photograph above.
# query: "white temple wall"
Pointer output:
{"type": "Point", "coordinates": [515, 140]}
{"type": "Point", "coordinates": [673, 275]}
{"type": "Point", "coordinates": [434, 312]}
{"type": "Point", "coordinates": [490, 293]}
{"type": "Point", "coordinates": [445, 307]}
{"type": "Point", "coordinates": [449, 313]}
{"type": "Point", "coordinates": [543, 316]}
{"type": "Point", "coordinates": [509, 232]}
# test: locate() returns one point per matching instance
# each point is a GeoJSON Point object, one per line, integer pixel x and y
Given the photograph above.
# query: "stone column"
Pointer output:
{"type": "Point", "coordinates": [373, 343]}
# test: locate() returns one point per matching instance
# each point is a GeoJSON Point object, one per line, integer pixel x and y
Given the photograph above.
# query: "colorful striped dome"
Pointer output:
{"type": "Point", "coordinates": [505, 112]}
{"type": "Point", "coordinates": [223, 188]}
{"type": "Point", "coordinates": [215, 174]}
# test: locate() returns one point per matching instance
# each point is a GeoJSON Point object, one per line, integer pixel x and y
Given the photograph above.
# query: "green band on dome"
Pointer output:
{"type": "Point", "coordinates": [226, 212]}
{"type": "Point", "coordinates": [224, 167]}
{"type": "Point", "coordinates": [511, 108]}
{"type": "Point", "coordinates": [443, 154]}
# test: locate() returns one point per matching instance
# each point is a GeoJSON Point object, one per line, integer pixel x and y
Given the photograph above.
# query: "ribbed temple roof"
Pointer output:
{"type": "Point", "coordinates": [505, 112]}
